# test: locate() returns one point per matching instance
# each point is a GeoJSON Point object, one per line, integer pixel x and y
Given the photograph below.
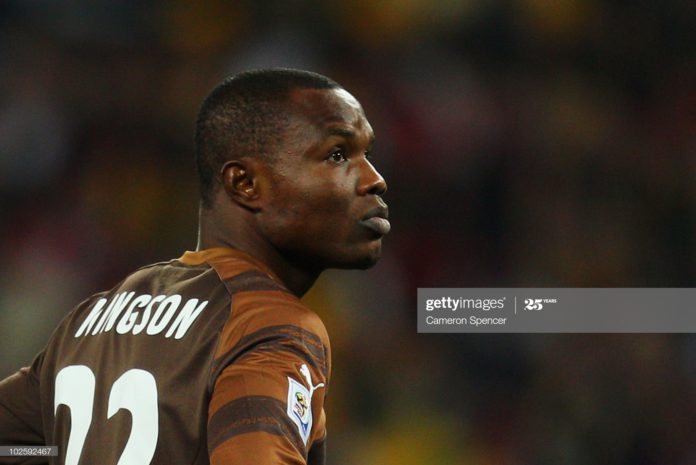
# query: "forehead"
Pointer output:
{"type": "Point", "coordinates": [325, 108]}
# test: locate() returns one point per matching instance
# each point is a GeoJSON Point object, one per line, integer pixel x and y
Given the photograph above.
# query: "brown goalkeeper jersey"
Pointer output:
{"type": "Point", "coordinates": [203, 359]}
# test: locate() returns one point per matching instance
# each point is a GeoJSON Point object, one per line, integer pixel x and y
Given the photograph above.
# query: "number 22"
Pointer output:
{"type": "Point", "coordinates": [135, 390]}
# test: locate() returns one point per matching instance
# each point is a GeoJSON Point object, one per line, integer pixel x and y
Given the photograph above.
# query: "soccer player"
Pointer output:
{"type": "Point", "coordinates": [212, 357]}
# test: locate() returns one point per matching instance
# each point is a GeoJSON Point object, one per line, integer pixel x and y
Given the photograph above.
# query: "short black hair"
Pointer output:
{"type": "Point", "coordinates": [246, 115]}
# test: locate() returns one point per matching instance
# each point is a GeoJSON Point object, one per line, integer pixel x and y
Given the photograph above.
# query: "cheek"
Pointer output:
{"type": "Point", "coordinates": [327, 211]}
{"type": "Point", "coordinates": [323, 196]}
{"type": "Point", "coordinates": [310, 213]}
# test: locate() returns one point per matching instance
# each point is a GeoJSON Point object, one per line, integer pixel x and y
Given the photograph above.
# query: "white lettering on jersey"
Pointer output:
{"type": "Point", "coordinates": [137, 329]}
{"type": "Point", "coordinates": [115, 308]}
{"type": "Point", "coordinates": [186, 317]}
{"type": "Point", "coordinates": [160, 319]}
{"type": "Point", "coordinates": [128, 319]}
{"type": "Point", "coordinates": [91, 318]}
{"type": "Point", "coordinates": [145, 312]}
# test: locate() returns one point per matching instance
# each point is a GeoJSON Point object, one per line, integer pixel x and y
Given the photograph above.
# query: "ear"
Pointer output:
{"type": "Point", "coordinates": [240, 182]}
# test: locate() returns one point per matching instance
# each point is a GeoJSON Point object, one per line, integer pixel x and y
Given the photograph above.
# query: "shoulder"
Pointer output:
{"type": "Point", "coordinates": [259, 300]}
{"type": "Point", "coordinates": [273, 329]}
{"type": "Point", "coordinates": [273, 322]}
{"type": "Point", "coordinates": [275, 309]}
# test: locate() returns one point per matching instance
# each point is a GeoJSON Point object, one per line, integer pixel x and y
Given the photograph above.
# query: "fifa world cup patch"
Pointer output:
{"type": "Point", "coordinates": [300, 403]}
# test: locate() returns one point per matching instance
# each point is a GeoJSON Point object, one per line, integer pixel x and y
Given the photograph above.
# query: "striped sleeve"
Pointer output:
{"type": "Point", "coordinates": [269, 380]}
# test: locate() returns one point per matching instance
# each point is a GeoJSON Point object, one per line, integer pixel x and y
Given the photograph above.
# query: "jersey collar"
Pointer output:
{"type": "Point", "coordinates": [216, 254]}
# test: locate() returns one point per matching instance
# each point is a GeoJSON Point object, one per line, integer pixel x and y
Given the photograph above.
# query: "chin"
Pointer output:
{"type": "Point", "coordinates": [365, 260]}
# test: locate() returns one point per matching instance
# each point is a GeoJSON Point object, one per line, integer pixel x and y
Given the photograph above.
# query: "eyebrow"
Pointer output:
{"type": "Point", "coordinates": [345, 133]}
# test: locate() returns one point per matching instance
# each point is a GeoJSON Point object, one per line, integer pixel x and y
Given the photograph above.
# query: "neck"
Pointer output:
{"type": "Point", "coordinates": [240, 235]}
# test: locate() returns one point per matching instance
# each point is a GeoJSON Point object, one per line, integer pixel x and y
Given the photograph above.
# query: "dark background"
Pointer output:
{"type": "Point", "coordinates": [540, 143]}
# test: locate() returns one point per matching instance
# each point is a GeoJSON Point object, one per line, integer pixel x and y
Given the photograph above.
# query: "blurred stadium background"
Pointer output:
{"type": "Point", "coordinates": [541, 143]}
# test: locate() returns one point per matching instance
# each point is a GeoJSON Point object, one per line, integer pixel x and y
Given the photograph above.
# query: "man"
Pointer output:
{"type": "Point", "coordinates": [212, 357]}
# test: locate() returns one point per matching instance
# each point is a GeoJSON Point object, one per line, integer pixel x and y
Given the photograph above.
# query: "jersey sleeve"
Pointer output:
{"type": "Point", "coordinates": [269, 382]}
{"type": "Point", "coordinates": [20, 407]}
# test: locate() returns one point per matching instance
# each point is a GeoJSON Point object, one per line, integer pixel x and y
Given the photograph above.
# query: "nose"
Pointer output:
{"type": "Point", "coordinates": [371, 182]}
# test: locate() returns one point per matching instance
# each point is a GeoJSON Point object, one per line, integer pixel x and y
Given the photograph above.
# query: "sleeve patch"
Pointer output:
{"type": "Point", "coordinates": [300, 403]}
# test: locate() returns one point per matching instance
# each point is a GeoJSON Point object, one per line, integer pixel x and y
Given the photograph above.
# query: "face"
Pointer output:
{"type": "Point", "coordinates": [322, 199]}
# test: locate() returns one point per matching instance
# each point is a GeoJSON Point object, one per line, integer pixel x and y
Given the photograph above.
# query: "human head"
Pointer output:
{"type": "Point", "coordinates": [295, 171]}
{"type": "Point", "coordinates": [246, 115]}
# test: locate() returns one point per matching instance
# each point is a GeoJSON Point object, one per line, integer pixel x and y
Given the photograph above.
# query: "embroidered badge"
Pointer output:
{"type": "Point", "coordinates": [300, 403]}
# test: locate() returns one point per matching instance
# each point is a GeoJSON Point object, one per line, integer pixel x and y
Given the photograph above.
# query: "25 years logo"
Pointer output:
{"type": "Point", "coordinates": [533, 304]}
{"type": "Point", "coordinates": [538, 304]}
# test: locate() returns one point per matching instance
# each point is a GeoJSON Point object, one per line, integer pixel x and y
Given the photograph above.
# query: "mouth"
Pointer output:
{"type": "Point", "coordinates": [376, 220]}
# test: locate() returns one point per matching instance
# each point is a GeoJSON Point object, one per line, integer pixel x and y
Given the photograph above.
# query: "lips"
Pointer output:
{"type": "Point", "coordinates": [376, 220]}
{"type": "Point", "coordinates": [379, 225]}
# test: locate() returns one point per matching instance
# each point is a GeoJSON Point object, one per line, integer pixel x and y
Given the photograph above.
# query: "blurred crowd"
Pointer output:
{"type": "Point", "coordinates": [539, 143]}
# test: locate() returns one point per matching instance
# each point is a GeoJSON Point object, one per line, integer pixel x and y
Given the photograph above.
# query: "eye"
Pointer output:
{"type": "Point", "coordinates": [337, 156]}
